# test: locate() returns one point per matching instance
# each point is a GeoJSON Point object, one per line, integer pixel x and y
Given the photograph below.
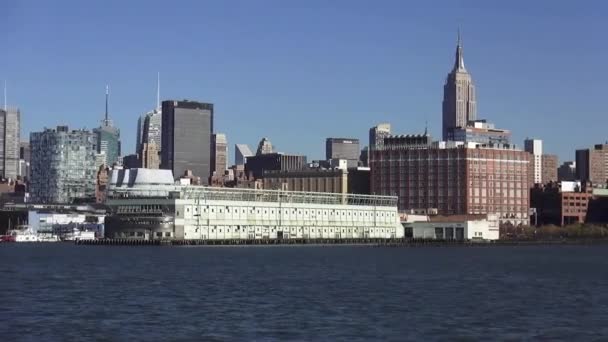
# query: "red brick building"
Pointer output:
{"type": "Point", "coordinates": [561, 203]}
{"type": "Point", "coordinates": [468, 179]}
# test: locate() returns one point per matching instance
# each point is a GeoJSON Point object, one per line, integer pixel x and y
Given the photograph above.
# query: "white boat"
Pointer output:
{"type": "Point", "coordinates": [26, 237]}
{"type": "Point", "coordinates": [25, 234]}
{"type": "Point", "coordinates": [48, 237]}
{"type": "Point", "coordinates": [79, 235]}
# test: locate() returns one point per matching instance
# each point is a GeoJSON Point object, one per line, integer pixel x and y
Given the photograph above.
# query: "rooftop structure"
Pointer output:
{"type": "Point", "coordinates": [144, 183]}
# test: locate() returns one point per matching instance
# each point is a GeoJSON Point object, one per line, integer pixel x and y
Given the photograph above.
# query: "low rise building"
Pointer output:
{"type": "Point", "coordinates": [481, 132]}
{"type": "Point", "coordinates": [146, 204]}
{"type": "Point", "coordinates": [560, 203]}
{"type": "Point", "coordinates": [459, 227]}
{"type": "Point", "coordinates": [262, 162]}
{"type": "Point", "coordinates": [338, 180]}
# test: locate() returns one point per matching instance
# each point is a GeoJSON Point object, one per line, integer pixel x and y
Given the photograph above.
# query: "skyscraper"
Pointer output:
{"type": "Point", "coordinates": [241, 153]}
{"type": "Point", "coordinates": [219, 155]}
{"type": "Point", "coordinates": [10, 135]}
{"type": "Point", "coordinates": [549, 168]}
{"type": "Point", "coordinates": [63, 165]}
{"type": "Point", "coordinates": [149, 125]}
{"type": "Point", "coordinates": [140, 132]}
{"type": "Point", "coordinates": [187, 127]}
{"type": "Point", "coordinates": [341, 148]}
{"type": "Point", "coordinates": [24, 159]}
{"type": "Point", "coordinates": [459, 104]}
{"type": "Point", "coordinates": [377, 135]}
{"type": "Point", "coordinates": [264, 147]}
{"type": "Point", "coordinates": [592, 164]}
{"type": "Point", "coordinates": [149, 156]}
{"type": "Point", "coordinates": [108, 137]}
{"type": "Point", "coordinates": [535, 147]}
{"type": "Point", "coordinates": [153, 127]}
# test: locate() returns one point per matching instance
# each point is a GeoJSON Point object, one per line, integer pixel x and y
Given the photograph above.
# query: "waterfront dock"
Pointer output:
{"type": "Point", "coordinates": [373, 242]}
{"type": "Point", "coordinates": [379, 242]}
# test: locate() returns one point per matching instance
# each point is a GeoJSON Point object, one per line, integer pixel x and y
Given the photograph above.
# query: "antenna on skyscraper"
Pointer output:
{"type": "Point", "coordinates": [459, 39]}
{"type": "Point", "coordinates": [5, 103]}
{"type": "Point", "coordinates": [158, 91]}
{"type": "Point", "coordinates": [107, 95]}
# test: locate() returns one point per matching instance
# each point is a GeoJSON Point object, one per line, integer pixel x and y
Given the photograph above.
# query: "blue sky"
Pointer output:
{"type": "Point", "coordinates": [300, 71]}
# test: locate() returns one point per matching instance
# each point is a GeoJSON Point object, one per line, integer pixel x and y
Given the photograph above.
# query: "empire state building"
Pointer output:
{"type": "Point", "coordinates": [459, 105]}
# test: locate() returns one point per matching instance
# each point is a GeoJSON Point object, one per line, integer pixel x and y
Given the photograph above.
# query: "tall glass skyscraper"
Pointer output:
{"type": "Point", "coordinates": [10, 138]}
{"type": "Point", "coordinates": [187, 127]}
{"type": "Point", "coordinates": [63, 165]}
{"type": "Point", "coordinates": [149, 126]}
{"type": "Point", "coordinates": [108, 138]}
{"type": "Point", "coordinates": [108, 143]}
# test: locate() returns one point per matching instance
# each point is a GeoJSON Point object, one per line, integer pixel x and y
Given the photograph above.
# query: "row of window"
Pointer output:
{"type": "Point", "coordinates": [334, 212]}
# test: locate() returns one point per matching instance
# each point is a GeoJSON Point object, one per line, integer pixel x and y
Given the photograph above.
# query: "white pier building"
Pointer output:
{"type": "Point", "coordinates": [147, 204]}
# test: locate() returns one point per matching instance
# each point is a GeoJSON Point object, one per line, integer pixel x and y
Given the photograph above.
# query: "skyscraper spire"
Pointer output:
{"type": "Point", "coordinates": [158, 91]}
{"type": "Point", "coordinates": [107, 95]}
{"type": "Point", "coordinates": [459, 62]}
{"type": "Point", "coordinates": [5, 103]}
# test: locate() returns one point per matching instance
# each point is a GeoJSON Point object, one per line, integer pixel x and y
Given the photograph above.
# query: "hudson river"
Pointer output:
{"type": "Point", "coordinates": [67, 292]}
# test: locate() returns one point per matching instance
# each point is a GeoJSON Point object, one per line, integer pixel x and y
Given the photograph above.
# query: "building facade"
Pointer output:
{"type": "Point", "coordinates": [313, 180]}
{"type": "Point", "coordinates": [108, 142]}
{"type": "Point", "coordinates": [264, 147]}
{"type": "Point", "coordinates": [24, 160]}
{"type": "Point", "coordinates": [343, 148]}
{"type": "Point", "coordinates": [149, 156]}
{"type": "Point", "coordinates": [140, 132]}
{"type": "Point", "coordinates": [187, 127]}
{"type": "Point", "coordinates": [63, 165]}
{"type": "Point", "coordinates": [101, 183]}
{"type": "Point", "coordinates": [152, 130]}
{"type": "Point", "coordinates": [10, 138]}
{"type": "Point", "coordinates": [459, 103]}
{"type": "Point", "coordinates": [456, 180]}
{"type": "Point", "coordinates": [480, 132]}
{"type": "Point", "coordinates": [567, 171]}
{"type": "Point", "coordinates": [241, 153]}
{"type": "Point", "coordinates": [141, 208]}
{"type": "Point", "coordinates": [258, 164]}
{"type": "Point", "coordinates": [377, 135]}
{"type": "Point", "coordinates": [561, 203]}
{"type": "Point", "coordinates": [131, 161]}
{"type": "Point", "coordinates": [592, 164]}
{"type": "Point", "coordinates": [549, 168]}
{"type": "Point", "coordinates": [219, 156]}
{"type": "Point", "coordinates": [535, 147]}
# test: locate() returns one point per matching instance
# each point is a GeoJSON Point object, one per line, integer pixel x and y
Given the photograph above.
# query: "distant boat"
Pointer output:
{"type": "Point", "coordinates": [77, 234]}
{"type": "Point", "coordinates": [7, 238]}
{"type": "Point", "coordinates": [26, 234]}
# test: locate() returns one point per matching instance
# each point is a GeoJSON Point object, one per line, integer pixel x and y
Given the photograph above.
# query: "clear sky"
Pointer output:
{"type": "Point", "coordinates": [300, 71]}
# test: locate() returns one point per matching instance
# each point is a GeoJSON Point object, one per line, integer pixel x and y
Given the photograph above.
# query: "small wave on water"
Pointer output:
{"type": "Point", "coordinates": [72, 292]}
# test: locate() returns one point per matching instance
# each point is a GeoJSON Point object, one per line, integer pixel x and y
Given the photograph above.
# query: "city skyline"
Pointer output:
{"type": "Point", "coordinates": [406, 92]}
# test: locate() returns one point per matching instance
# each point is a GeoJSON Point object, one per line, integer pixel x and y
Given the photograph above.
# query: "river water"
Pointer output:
{"type": "Point", "coordinates": [66, 292]}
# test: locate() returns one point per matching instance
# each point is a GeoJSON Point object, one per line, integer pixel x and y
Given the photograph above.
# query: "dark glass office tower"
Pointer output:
{"type": "Point", "coordinates": [187, 128]}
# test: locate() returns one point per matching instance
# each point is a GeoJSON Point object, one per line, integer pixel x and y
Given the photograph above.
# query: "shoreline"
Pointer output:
{"type": "Point", "coordinates": [341, 242]}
